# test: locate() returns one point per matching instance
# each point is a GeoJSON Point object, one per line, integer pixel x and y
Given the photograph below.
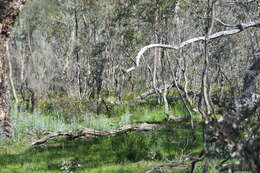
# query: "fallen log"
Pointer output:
{"type": "Point", "coordinates": [170, 166]}
{"type": "Point", "coordinates": [142, 97]}
{"type": "Point", "coordinates": [164, 167]}
{"type": "Point", "coordinates": [91, 133]}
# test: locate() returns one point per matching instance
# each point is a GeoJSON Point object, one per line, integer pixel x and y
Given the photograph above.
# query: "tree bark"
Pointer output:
{"type": "Point", "coordinates": [9, 9]}
{"type": "Point", "coordinates": [90, 133]}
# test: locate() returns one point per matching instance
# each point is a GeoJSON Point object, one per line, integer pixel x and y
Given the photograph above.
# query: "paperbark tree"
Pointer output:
{"type": "Point", "coordinates": [9, 9]}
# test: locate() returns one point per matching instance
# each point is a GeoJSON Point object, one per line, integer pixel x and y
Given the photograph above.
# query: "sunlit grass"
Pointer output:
{"type": "Point", "coordinates": [130, 152]}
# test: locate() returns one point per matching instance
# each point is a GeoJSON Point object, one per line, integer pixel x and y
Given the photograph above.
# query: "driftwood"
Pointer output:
{"type": "Point", "coordinates": [90, 133]}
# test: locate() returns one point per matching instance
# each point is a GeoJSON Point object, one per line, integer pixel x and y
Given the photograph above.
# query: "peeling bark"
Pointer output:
{"type": "Point", "coordinates": [9, 10]}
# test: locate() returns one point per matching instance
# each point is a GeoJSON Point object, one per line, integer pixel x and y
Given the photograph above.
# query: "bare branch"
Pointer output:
{"type": "Point", "coordinates": [237, 2]}
{"type": "Point", "coordinates": [144, 49]}
{"type": "Point", "coordinates": [224, 24]}
{"type": "Point", "coordinates": [239, 28]}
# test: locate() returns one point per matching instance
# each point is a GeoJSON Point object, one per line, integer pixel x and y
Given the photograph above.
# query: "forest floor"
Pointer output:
{"type": "Point", "coordinates": [124, 153]}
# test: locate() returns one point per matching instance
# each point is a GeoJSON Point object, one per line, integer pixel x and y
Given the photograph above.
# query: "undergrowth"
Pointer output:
{"type": "Point", "coordinates": [130, 152]}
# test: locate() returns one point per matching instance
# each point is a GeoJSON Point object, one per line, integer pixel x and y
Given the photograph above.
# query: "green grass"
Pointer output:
{"type": "Point", "coordinates": [148, 112]}
{"type": "Point", "coordinates": [131, 152]}
{"type": "Point", "coordinates": [125, 153]}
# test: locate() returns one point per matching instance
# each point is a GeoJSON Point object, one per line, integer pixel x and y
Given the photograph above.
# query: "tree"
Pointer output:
{"type": "Point", "coordinates": [230, 130]}
{"type": "Point", "coordinates": [9, 9]}
{"type": "Point", "coordinates": [92, 41]}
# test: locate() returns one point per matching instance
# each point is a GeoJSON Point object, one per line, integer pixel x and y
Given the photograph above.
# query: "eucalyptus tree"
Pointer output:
{"type": "Point", "coordinates": [234, 129]}
{"type": "Point", "coordinates": [8, 12]}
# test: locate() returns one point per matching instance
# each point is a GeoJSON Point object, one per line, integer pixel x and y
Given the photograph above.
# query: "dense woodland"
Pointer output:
{"type": "Point", "coordinates": [131, 86]}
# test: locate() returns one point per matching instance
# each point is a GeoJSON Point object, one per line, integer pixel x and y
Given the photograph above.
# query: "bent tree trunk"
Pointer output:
{"type": "Point", "coordinates": [9, 9]}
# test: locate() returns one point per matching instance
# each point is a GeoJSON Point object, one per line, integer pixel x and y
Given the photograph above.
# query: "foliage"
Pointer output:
{"type": "Point", "coordinates": [69, 61]}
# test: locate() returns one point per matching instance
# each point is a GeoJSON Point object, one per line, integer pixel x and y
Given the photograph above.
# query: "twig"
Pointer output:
{"type": "Point", "coordinates": [193, 163]}
{"type": "Point", "coordinates": [224, 24]}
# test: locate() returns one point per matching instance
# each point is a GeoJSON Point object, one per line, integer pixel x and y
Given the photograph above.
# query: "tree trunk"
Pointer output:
{"type": "Point", "coordinates": [9, 9]}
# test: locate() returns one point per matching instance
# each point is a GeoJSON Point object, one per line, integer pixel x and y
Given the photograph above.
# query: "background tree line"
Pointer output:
{"type": "Point", "coordinates": [81, 48]}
